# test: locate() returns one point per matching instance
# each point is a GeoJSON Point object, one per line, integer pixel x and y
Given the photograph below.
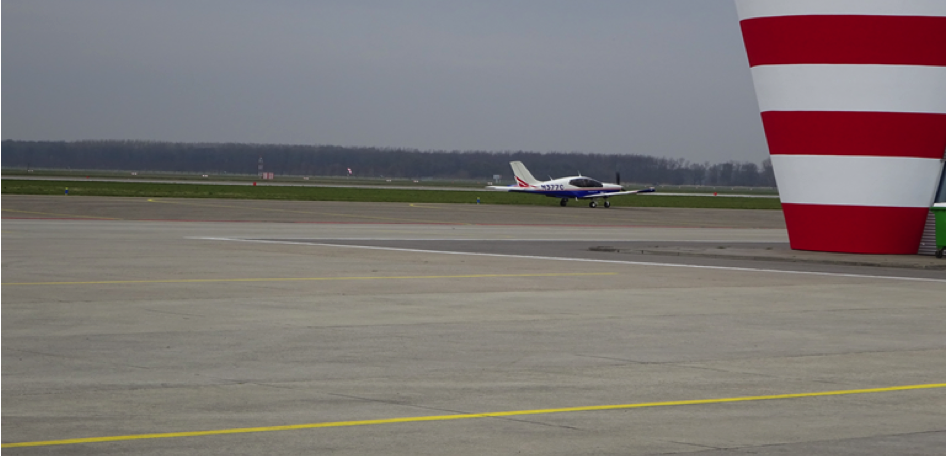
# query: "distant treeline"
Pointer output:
{"type": "Point", "coordinates": [302, 160]}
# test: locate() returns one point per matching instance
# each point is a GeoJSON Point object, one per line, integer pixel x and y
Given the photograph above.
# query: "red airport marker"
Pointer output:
{"type": "Point", "coordinates": [847, 92]}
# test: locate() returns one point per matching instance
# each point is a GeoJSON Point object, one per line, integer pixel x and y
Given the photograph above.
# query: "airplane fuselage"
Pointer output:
{"type": "Point", "coordinates": [567, 187]}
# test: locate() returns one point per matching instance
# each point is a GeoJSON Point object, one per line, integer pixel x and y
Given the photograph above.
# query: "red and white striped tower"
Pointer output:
{"type": "Point", "coordinates": [851, 93]}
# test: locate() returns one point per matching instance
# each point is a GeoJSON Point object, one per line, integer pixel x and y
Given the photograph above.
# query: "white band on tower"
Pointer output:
{"type": "Point", "coordinates": [855, 181]}
{"type": "Point", "coordinates": [748, 9]}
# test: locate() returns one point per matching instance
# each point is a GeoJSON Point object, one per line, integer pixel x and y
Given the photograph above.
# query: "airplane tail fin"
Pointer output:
{"type": "Point", "coordinates": [523, 176]}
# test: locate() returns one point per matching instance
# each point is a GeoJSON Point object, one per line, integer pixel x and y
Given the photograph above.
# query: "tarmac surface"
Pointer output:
{"type": "Point", "coordinates": [137, 326]}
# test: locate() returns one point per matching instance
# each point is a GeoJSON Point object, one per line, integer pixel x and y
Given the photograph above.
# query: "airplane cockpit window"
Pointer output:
{"type": "Point", "coordinates": [586, 183]}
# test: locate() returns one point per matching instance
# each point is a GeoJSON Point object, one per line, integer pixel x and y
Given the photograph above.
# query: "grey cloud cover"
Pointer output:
{"type": "Point", "coordinates": [657, 77]}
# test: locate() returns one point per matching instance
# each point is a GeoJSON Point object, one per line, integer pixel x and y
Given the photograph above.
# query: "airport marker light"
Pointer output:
{"type": "Point", "coordinates": [851, 94]}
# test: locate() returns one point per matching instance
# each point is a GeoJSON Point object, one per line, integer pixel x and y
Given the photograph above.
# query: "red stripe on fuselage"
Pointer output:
{"type": "Point", "coordinates": [845, 39]}
{"type": "Point", "coordinates": [875, 134]}
{"type": "Point", "coordinates": [855, 229]}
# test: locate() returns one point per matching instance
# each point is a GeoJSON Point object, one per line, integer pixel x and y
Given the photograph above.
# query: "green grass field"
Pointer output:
{"type": "Point", "coordinates": [312, 193]}
{"type": "Point", "coordinates": [197, 178]}
{"type": "Point", "coordinates": [353, 180]}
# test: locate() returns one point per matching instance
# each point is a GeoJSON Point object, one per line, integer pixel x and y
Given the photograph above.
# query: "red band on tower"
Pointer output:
{"type": "Point", "coordinates": [837, 39]}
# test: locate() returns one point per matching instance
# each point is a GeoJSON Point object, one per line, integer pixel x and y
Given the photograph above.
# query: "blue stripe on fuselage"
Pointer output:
{"type": "Point", "coordinates": [568, 193]}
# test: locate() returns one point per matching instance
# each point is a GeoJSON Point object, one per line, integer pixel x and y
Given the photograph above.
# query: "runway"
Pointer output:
{"type": "Point", "coordinates": [328, 185]}
{"type": "Point", "coordinates": [249, 327]}
{"type": "Point", "coordinates": [231, 210]}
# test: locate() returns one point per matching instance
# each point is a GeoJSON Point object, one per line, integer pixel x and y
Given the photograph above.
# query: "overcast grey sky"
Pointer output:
{"type": "Point", "coordinates": [655, 77]}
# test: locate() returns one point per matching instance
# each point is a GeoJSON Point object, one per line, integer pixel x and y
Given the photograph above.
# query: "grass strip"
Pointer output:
{"type": "Point", "coordinates": [473, 185]}
{"type": "Point", "coordinates": [265, 192]}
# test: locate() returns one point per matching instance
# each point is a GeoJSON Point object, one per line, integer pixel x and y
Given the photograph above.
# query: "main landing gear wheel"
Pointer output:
{"type": "Point", "coordinates": [563, 202]}
{"type": "Point", "coordinates": [593, 204]}
{"type": "Point", "coordinates": [607, 204]}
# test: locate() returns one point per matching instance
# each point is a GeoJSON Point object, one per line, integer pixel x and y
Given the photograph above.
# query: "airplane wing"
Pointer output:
{"type": "Point", "coordinates": [610, 194]}
{"type": "Point", "coordinates": [511, 188]}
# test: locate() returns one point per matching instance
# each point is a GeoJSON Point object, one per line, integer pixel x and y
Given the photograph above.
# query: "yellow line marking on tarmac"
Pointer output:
{"type": "Point", "coordinates": [304, 279]}
{"type": "Point", "coordinates": [418, 419]}
{"type": "Point", "coordinates": [269, 209]}
{"type": "Point", "coordinates": [61, 215]}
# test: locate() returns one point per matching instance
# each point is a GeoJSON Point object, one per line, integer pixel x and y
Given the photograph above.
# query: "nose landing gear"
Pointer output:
{"type": "Point", "coordinates": [605, 203]}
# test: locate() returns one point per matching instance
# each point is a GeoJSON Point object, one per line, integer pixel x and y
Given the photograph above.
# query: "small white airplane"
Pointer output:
{"type": "Point", "coordinates": [578, 187]}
